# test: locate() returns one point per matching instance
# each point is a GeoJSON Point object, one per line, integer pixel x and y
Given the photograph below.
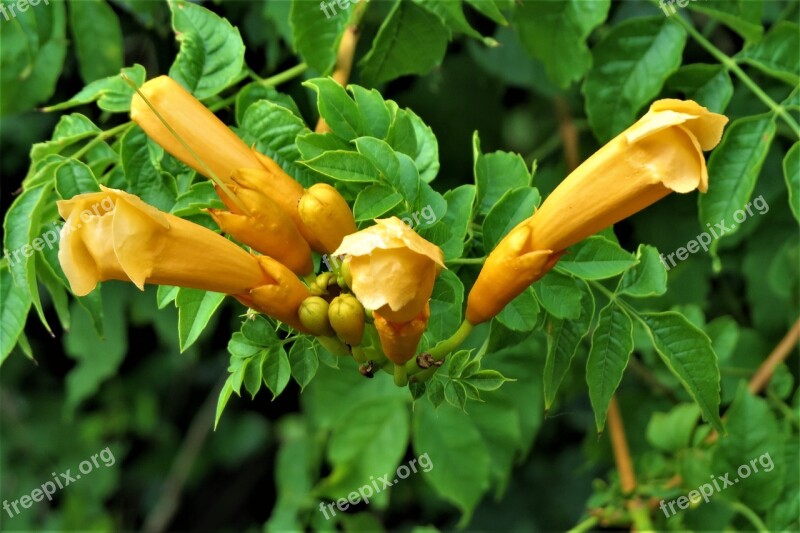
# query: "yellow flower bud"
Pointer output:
{"type": "Point", "coordinates": [346, 315]}
{"type": "Point", "coordinates": [314, 316]}
{"type": "Point", "coordinates": [326, 217]}
{"type": "Point", "coordinates": [347, 275]}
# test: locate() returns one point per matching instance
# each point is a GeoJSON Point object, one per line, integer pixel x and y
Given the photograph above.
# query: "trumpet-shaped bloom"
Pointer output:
{"type": "Point", "coordinates": [399, 340]}
{"type": "Point", "coordinates": [393, 268]}
{"type": "Point", "coordinates": [130, 240]}
{"type": "Point", "coordinates": [659, 154]}
{"type": "Point", "coordinates": [265, 227]}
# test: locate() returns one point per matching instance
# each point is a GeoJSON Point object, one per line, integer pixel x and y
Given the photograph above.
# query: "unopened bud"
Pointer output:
{"type": "Point", "coordinates": [313, 315]}
{"type": "Point", "coordinates": [346, 315]}
{"type": "Point", "coordinates": [326, 217]}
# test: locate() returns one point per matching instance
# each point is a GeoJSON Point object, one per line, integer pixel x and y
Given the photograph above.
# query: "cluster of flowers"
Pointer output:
{"type": "Point", "coordinates": [388, 271]}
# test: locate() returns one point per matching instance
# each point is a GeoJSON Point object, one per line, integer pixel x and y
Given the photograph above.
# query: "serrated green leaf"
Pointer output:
{"type": "Point", "coordinates": [337, 108]}
{"type": "Point", "coordinates": [316, 32]}
{"type": "Point", "coordinates": [455, 394]}
{"type": "Point", "coordinates": [596, 258]}
{"type": "Point", "coordinates": [344, 166]}
{"type": "Point", "coordinates": [559, 294]}
{"type": "Point", "coordinates": [411, 40]}
{"type": "Point", "coordinates": [252, 374]}
{"type": "Point", "coordinates": [563, 340]}
{"type": "Point", "coordinates": [512, 208]}
{"type": "Point", "coordinates": [374, 201]}
{"type": "Point", "coordinates": [791, 173]}
{"type": "Point", "coordinates": [276, 370]}
{"type": "Point", "coordinates": [457, 219]}
{"type": "Point", "coordinates": [211, 55]}
{"type": "Point", "coordinates": [733, 169]}
{"type": "Point", "coordinates": [647, 278]}
{"type": "Point", "coordinates": [521, 313]}
{"type": "Point", "coordinates": [487, 380]}
{"type": "Point", "coordinates": [376, 117]}
{"type": "Point", "coordinates": [612, 344]}
{"type": "Point", "coordinates": [456, 362]}
{"type": "Point", "coordinates": [73, 178]}
{"type": "Point", "coordinates": [303, 362]}
{"type": "Point", "coordinates": [445, 302]}
{"type": "Point", "coordinates": [688, 353]}
{"type": "Point", "coordinates": [742, 16]}
{"type": "Point", "coordinates": [496, 173]}
{"type": "Point", "coordinates": [97, 35]}
{"type": "Point", "coordinates": [450, 440]}
{"type": "Point", "coordinates": [752, 451]}
{"type": "Point", "coordinates": [630, 65]}
{"type": "Point", "coordinates": [22, 225]}
{"type": "Point", "coordinates": [112, 94]}
{"type": "Point", "coordinates": [708, 85]}
{"type": "Point", "coordinates": [13, 313]}
{"type": "Point", "coordinates": [195, 309]}
{"type": "Point", "coordinates": [556, 32]}
{"type": "Point", "coordinates": [435, 392]}
{"type": "Point", "coordinates": [145, 179]}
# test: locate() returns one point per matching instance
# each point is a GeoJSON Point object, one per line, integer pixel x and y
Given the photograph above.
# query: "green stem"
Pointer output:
{"type": "Point", "coordinates": [467, 261]}
{"type": "Point", "coordinates": [284, 76]}
{"type": "Point", "coordinates": [400, 375]}
{"type": "Point", "coordinates": [102, 136]}
{"type": "Point", "coordinates": [446, 346]}
{"type": "Point", "coordinates": [731, 65]}
{"type": "Point", "coordinates": [586, 525]}
{"type": "Point", "coordinates": [748, 513]}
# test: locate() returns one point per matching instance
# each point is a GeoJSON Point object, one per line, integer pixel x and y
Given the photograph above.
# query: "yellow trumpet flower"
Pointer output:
{"type": "Point", "coordinates": [399, 340]}
{"type": "Point", "coordinates": [127, 239]}
{"type": "Point", "coordinates": [659, 154]}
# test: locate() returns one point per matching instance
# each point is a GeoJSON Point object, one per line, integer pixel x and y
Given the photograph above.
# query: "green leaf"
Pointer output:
{"type": "Point", "coordinates": [73, 178]}
{"type": "Point", "coordinates": [13, 313]}
{"type": "Point", "coordinates": [560, 295]}
{"type": "Point", "coordinates": [435, 392]}
{"type": "Point", "coordinates": [596, 258]}
{"type": "Point", "coordinates": [426, 152]}
{"type": "Point", "coordinates": [487, 380]}
{"type": "Point", "coordinates": [630, 65]}
{"type": "Point", "coordinates": [255, 92]}
{"type": "Point", "coordinates": [733, 169]}
{"type": "Point", "coordinates": [211, 55]}
{"type": "Point", "coordinates": [490, 9]}
{"type": "Point", "coordinates": [303, 362]}
{"type": "Point", "coordinates": [688, 354]}
{"type": "Point", "coordinates": [276, 370]}
{"type": "Point", "coordinates": [34, 46]}
{"type": "Point", "coordinates": [97, 35]}
{"type": "Point", "coordinates": [374, 201]}
{"type": "Point", "coordinates": [312, 144]}
{"type": "Point", "coordinates": [672, 431]}
{"type": "Point", "coordinates": [752, 451]}
{"type": "Point", "coordinates": [337, 108]}
{"type": "Point", "coordinates": [556, 32]}
{"type": "Point", "coordinates": [612, 344]}
{"type": "Point", "coordinates": [452, 15]}
{"type": "Point", "coordinates": [195, 309]}
{"type": "Point", "coordinates": [457, 219]}
{"type": "Point", "coordinates": [512, 208]}
{"type": "Point", "coordinates": [112, 94]}
{"type": "Point", "coordinates": [791, 173]}
{"type": "Point", "coordinates": [145, 179]}
{"type": "Point", "coordinates": [375, 115]}
{"type": "Point", "coordinates": [316, 37]}
{"type": "Point", "coordinates": [272, 128]}
{"type": "Point", "coordinates": [252, 374]}
{"type": "Point", "coordinates": [344, 166]}
{"type": "Point", "coordinates": [455, 394]}
{"type": "Point", "coordinates": [451, 440]}
{"type": "Point", "coordinates": [521, 313]}
{"type": "Point", "coordinates": [742, 16]}
{"type": "Point", "coordinates": [563, 340]}
{"type": "Point", "coordinates": [22, 225]}
{"type": "Point", "coordinates": [708, 85]}
{"type": "Point", "coordinates": [496, 173]}
{"type": "Point", "coordinates": [778, 53]}
{"type": "Point", "coordinates": [445, 302]}
{"type": "Point", "coordinates": [222, 400]}
{"type": "Point", "coordinates": [411, 40]}
{"type": "Point", "coordinates": [647, 278]}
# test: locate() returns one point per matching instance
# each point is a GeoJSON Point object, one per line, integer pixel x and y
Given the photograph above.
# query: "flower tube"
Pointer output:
{"type": "Point", "coordinates": [659, 154]}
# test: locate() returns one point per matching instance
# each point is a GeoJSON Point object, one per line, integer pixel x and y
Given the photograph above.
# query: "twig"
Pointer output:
{"type": "Point", "coordinates": [568, 133]}
{"type": "Point", "coordinates": [160, 516]}
{"type": "Point", "coordinates": [627, 476]}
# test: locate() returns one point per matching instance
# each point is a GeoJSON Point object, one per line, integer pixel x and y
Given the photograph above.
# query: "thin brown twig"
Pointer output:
{"type": "Point", "coordinates": [568, 133]}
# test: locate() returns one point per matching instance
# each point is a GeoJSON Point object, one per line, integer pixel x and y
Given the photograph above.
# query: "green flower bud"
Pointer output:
{"type": "Point", "coordinates": [323, 280]}
{"type": "Point", "coordinates": [313, 315]}
{"type": "Point", "coordinates": [346, 315]}
{"type": "Point", "coordinates": [347, 276]}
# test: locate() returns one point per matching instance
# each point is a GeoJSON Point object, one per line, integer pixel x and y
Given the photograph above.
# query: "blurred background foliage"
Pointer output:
{"type": "Point", "coordinates": [133, 391]}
